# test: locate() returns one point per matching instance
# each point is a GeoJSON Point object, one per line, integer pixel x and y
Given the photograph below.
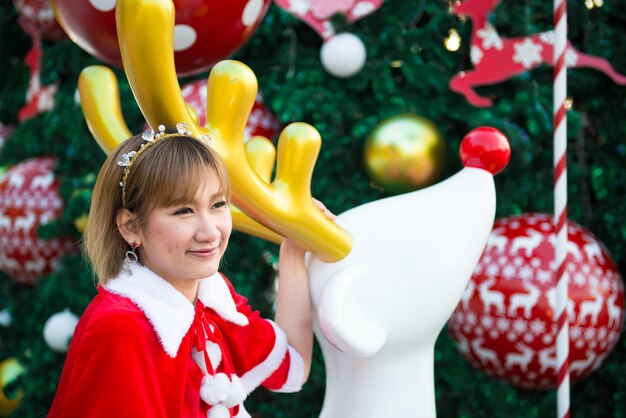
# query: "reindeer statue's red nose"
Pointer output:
{"type": "Point", "coordinates": [486, 148]}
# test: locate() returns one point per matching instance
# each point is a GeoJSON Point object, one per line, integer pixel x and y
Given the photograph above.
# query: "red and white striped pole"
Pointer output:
{"type": "Point", "coordinates": [560, 205]}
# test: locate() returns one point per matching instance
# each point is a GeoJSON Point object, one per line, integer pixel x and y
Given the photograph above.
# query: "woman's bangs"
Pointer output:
{"type": "Point", "coordinates": [178, 185]}
{"type": "Point", "coordinates": [173, 172]}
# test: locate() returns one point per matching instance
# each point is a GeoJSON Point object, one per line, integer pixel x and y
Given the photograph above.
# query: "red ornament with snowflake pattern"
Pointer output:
{"type": "Point", "coordinates": [29, 197]}
{"type": "Point", "coordinates": [505, 323]}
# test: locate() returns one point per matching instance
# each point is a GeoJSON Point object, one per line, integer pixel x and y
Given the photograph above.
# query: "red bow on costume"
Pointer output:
{"type": "Point", "coordinates": [205, 329]}
{"type": "Point", "coordinates": [223, 391]}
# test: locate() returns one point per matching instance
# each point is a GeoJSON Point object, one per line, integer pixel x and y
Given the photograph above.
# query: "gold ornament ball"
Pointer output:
{"type": "Point", "coordinates": [10, 369]}
{"type": "Point", "coordinates": [404, 153]}
{"type": "Point", "coordinates": [80, 223]}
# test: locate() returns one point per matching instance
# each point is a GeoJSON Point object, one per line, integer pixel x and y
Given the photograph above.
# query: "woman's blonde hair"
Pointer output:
{"type": "Point", "coordinates": [167, 173]}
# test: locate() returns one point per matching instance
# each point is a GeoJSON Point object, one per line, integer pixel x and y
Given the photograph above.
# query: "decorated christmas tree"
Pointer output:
{"type": "Point", "coordinates": [391, 121]}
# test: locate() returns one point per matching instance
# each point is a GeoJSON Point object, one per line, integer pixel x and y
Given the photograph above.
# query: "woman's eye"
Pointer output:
{"type": "Point", "coordinates": [220, 204]}
{"type": "Point", "coordinates": [183, 211]}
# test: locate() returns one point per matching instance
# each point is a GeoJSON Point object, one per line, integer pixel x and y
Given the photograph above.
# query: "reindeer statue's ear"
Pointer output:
{"type": "Point", "coordinates": [342, 319]}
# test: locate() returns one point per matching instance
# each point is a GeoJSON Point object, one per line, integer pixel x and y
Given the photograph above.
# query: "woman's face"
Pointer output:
{"type": "Point", "coordinates": [185, 243]}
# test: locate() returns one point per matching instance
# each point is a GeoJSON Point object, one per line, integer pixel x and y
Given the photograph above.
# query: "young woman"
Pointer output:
{"type": "Point", "coordinates": [167, 335]}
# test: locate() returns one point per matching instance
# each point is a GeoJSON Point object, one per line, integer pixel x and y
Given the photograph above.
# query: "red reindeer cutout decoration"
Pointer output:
{"type": "Point", "coordinates": [497, 59]}
{"type": "Point", "coordinates": [38, 98]}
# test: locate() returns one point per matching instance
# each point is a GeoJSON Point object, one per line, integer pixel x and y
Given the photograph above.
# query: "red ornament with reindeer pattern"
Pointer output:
{"type": "Point", "coordinates": [29, 197]}
{"type": "Point", "coordinates": [505, 323]}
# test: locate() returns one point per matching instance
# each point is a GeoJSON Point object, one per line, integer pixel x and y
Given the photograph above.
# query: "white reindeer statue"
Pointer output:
{"type": "Point", "coordinates": [384, 279]}
{"type": "Point", "coordinates": [380, 309]}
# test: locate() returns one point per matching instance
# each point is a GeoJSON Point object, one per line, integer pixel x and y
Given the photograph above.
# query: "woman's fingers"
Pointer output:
{"type": "Point", "coordinates": [324, 209]}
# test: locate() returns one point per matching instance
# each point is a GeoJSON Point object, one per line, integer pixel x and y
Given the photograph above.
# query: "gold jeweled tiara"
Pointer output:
{"type": "Point", "coordinates": [127, 160]}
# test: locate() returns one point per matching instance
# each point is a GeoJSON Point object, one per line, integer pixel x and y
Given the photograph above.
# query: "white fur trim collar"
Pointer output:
{"type": "Point", "coordinates": [170, 313]}
{"type": "Point", "coordinates": [215, 294]}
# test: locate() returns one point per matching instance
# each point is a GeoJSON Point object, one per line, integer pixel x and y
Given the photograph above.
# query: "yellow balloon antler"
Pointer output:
{"type": "Point", "coordinates": [100, 100]}
{"type": "Point", "coordinates": [145, 30]}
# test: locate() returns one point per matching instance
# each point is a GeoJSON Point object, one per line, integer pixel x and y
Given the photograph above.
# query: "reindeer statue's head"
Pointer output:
{"type": "Point", "coordinates": [384, 279]}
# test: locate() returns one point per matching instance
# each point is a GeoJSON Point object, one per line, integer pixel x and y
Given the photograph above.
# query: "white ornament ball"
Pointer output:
{"type": "Point", "coordinates": [343, 55]}
{"type": "Point", "coordinates": [59, 329]}
{"type": "Point", "coordinates": [5, 318]}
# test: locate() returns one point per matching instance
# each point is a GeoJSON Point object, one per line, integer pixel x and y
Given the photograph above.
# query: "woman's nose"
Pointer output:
{"type": "Point", "coordinates": [207, 229]}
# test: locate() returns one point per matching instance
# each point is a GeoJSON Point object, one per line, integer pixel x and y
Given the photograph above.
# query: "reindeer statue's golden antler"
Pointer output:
{"type": "Point", "coordinates": [100, 100]}
{"type": "Point", "coordinates": [145, 30]}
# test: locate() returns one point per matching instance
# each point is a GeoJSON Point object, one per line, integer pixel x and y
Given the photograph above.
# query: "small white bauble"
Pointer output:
{"type": "Point", "coordinates": [5, 318]}
{"type": "Point", "coordinates": [58, 330]}
{"type": "Point", "coordinates": [343, 55]}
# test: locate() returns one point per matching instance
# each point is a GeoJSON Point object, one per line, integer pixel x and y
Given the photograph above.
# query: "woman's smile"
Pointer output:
{"type": "Point", "coordinates": [206, 252]}
{"type": "Point", "coordinates": [184, 243]}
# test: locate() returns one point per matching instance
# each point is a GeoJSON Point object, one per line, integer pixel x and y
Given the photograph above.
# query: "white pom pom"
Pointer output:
{"type": "Point", "coordinates": [236, 394]}
{"type": "Point", "coordinates": [218, 411]}
{"type": "Point", "coordinates": [343, 55]}
{"type": "Point", "coordinates": [59, 329]}
{"type": "Point", "coordinates": [215, 389]}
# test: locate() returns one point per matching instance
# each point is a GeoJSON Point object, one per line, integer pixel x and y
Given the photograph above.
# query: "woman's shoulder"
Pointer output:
{"type": "Point", "coordinates": [114, 314]}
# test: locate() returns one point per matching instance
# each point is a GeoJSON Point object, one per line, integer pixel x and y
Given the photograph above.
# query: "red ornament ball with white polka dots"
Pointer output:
{"type": "Point", "coordinates": [260, 122]}
{"type": "Point", "coordinates": [505, 323]}
{"type": "Point", "coordinates": [205, 31]}
{"type": "Point", "coordinates": [29, 197]}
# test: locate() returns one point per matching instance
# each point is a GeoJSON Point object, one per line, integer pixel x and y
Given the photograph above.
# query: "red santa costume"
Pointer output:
{"type": "Point", "coordinates": [142, 349]}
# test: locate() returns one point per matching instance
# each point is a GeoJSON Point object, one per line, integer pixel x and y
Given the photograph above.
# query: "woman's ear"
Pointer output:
{"type": "Point", "coordinates": [126, 225]}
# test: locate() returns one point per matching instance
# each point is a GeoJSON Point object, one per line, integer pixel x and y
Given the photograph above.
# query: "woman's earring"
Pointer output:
{"type": "Point", "coordinates": [130, 258]}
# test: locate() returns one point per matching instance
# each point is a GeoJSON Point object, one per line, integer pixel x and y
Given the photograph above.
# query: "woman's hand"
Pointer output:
{"type": "Point", "coordinates": [288, 248]}
{"type": "Point", "coordinates": [324, 209]}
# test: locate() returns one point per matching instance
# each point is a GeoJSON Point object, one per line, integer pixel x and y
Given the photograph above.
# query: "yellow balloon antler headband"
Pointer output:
{"type": "Point", "coordinates": [145, 30]}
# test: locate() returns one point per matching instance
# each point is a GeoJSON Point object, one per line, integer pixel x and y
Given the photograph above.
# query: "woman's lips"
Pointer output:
{"type": "Point", "coordinates": [205, 252]}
